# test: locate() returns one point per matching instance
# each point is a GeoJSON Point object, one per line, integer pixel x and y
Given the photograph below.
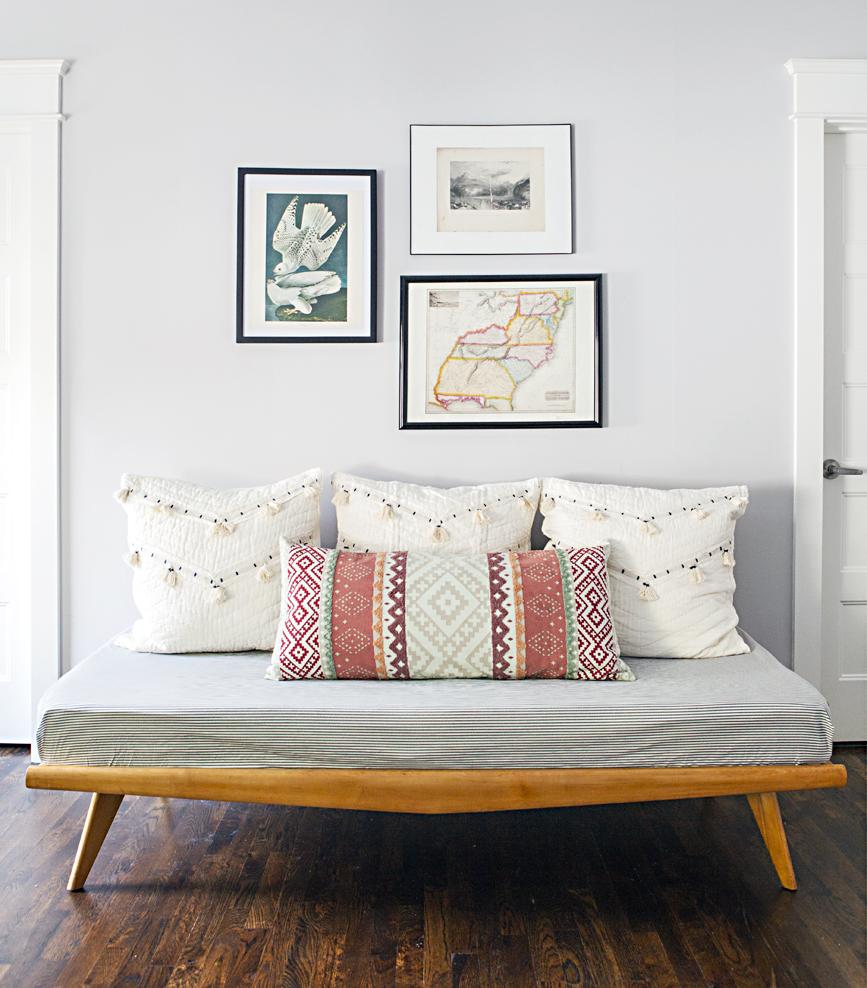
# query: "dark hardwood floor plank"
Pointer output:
{"type": "Point", "coordinates": [508, 961]}
{"type": "Point", "coordinates": [627, 854]}
{"type": "Point", "coordinates": [660, 972]}
{"type": "Point", "coordinates": [291, 917]}
{"type": "Point", "coordinates": [705, 908]}
{"type": "Point", "coordinates": [313, 958]}
{"type": "Point", "coordinates": [162, 854]}
{"type": "Point", "coordinates": [227, 898]}
{"type": "Point", "coordinates": [597, 904]}
{"type": "Point", "coordinates": [409, 959]}
{"type": "Point", "coordinates": [436, 971]}
{"type": "Point", "coordinates": [783, 917]}
{"type": "Point", "coordinates": [643, 896]}
{"type": "Point", "coordinates": [466, 972]}
{"type": "Point", "coordinates": [544, 952]}
{"type": "Point", "coordinates": [232, 959]}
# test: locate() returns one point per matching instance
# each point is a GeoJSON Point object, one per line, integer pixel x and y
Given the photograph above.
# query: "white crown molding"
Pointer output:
{"type": "Point", "coordinates": [31, 117]}
{"type": "Point", "coordinates": [846, 125]}
{"type": "Point", "coordinates": [827, 66]}
{"type": "Point", "coordinates": [34, 66]}
{"type": "Point", "coordinates": [828, 87]}
{"type": "Point", "coordinates": [32, 88]}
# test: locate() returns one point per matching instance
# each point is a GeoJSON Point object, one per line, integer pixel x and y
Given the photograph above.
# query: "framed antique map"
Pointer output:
{"type": "Point", "coordinates": [491, 189]}
{"type": "Point", "coordinates": [306, 256]}
{"type": "Point", "coordinates": [501, 351]}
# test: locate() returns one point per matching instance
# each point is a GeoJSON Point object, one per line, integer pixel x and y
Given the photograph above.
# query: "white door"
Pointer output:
{"type": "Point", "coordinates": [844, 544]}
{"type": "Point", "coordinates": [15, 672]}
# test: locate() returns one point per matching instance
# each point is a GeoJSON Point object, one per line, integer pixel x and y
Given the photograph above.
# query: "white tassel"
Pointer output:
{"type": "Point", "coordinates": [218, 594]}
{"type": "Point", "coordinates": [649, 529]}
{"type": "Point", "coordinates": [264, 575]}
{"type": "Point", "coordinates": [170, 577]}
{"type": "Point", "coordinates": [598, 515]}
{"type": "Point", "coordinates": [739, 506]}
{"type": "Point", "coordinates": [161, 509]}
{"type": "Point", "coordinates": [700, 514]}
{"type": "Point", "coordinates": [133, 559]}
{"type": "Point", "coordinates": [311, 492]}
{"type": "Point", "coordinates": [273, 507]}
{"type": "Point", "coordinates": [479, 517]}
{"type": "Point", "coordinates": [223, 528]}
{"type": "Point", "coordinates": [386, 512]}
{"type": "Point", "coordinates": [548, 505]}
{"type": "Point", "coordinates": [728, 559]}
{"type": "Point", "coordinates": [123, 494]}
{"type": "Point", "coordinates": [648, 593]}
{"type": "Point", "coordinates": [696, 575]}
{"type": "Point", "coordinates": [340, 498]}
{"type": "Point", "coordinates": [438, 534]}
{"type": "Point", "coordinates": [527, 504]}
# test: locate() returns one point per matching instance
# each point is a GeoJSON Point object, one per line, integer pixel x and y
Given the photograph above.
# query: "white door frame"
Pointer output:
{"type": "Point", "coordinates": [30, 103]}
{"type": "Point", "coordinates": [830, 95]}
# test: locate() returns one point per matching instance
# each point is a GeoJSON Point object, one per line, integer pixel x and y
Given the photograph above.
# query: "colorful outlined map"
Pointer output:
{"type": "Point", "coordinates": [510, 336]}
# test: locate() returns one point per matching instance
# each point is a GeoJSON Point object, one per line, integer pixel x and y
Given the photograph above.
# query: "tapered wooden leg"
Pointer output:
{"type": "Point", "coordinates": [766, 810]}
{"type": "Point", "coordinates": [102, 811]}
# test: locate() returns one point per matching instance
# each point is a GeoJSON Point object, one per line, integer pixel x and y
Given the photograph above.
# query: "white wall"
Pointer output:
{"type": "Point", "coordinates": [684, 200]}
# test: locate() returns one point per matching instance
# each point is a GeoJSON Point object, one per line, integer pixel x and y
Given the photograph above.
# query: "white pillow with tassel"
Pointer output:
{"type": "Point", "coordinates": [670, 565]}
{"type": "Point", "coordinates": [389, 516]}
{"type": "Point", "coordinates": [206, 563]}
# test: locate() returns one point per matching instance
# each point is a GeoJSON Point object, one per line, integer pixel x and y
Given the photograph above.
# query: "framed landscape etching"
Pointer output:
{"type": "Point", "coordinates": [306, 256]}
{"type": "Point", "coordinates": [501, 351]}
{"type": "Point", "coordinates": [491, 189]}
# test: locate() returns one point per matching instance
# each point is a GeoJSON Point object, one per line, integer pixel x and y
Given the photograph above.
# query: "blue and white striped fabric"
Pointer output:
{"type": "Point", "coordinates": [131, 708]}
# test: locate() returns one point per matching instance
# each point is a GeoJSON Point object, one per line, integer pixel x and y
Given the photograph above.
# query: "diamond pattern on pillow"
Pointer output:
{"type": "Point", "coordinates": [425, 615]}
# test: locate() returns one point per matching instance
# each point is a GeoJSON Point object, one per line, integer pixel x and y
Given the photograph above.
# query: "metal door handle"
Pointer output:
{"type": "Point", "coordinates": [832, 469]}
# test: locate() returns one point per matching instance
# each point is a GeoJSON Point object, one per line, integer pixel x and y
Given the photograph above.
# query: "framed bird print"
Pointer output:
{"type": "Point", "coordinates": [306, 256]}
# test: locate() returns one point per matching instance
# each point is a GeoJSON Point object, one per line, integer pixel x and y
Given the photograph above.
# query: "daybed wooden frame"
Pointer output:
{"type": "Point", "coordinates": [436, 791]}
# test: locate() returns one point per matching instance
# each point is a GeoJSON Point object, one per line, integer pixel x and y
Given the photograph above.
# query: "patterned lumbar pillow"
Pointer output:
{"type": "Point", "coordinates": [423, 615]}
{"type": "Point", "coordinates": [670, 561]}
{"type": "Point", "coordinates": [206, 562]}
{"type": "Point", "coordinates": [386, 516]}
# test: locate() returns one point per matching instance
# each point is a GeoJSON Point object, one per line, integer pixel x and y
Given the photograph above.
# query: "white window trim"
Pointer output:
{"type": "Point", "coordinates": [30, 102]}
{"type": "Point", "coordinates": [830, 96]}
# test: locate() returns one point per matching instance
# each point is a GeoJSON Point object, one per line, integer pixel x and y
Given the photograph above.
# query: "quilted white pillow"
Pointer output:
{"type": "Point", "coordinates": [670, 563]}
{"type": "Point", "coordinates": [388, 516]}
{"type": "Point", "coordinates": [207, 562]}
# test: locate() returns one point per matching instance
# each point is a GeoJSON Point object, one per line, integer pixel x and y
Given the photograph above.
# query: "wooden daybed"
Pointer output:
{"type": "Point", "coordinates": [209, 727]}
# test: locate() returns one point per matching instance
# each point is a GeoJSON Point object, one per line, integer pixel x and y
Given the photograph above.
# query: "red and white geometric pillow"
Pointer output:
{"type": "Point", "coordinates": [422, 615]}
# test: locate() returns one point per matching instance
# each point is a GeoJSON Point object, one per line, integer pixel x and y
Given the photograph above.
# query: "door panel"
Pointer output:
{"type": "Point", "coordinates": [14, 435]}
{"type": "Point", "coordinates": [844, 576]}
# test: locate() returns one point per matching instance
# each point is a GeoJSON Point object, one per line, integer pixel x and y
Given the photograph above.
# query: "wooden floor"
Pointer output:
{"type": "Point", "coordinates": [657, 894]}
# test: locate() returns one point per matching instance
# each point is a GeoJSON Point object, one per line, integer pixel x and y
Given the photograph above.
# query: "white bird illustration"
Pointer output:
{"type": "Point", "coordinates": [305, 246]}
{"type": "Point", "coordinates": [301, 290]}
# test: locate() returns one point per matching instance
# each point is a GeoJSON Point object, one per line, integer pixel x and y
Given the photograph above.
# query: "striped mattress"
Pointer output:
{"type": "Point", "coordinates": [131, 708]}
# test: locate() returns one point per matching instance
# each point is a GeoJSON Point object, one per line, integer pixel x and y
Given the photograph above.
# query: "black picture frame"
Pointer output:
{"type": "Point", "coordinates": [490, 252]}
{"type": "Point", "coordinates": [406, 280]}
{"type": "Point", "coordinates": [371, 175]}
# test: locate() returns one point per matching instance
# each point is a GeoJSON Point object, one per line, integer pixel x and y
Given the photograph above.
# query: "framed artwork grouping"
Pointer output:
{"type": "Point", "coordinates": [476, 351]}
